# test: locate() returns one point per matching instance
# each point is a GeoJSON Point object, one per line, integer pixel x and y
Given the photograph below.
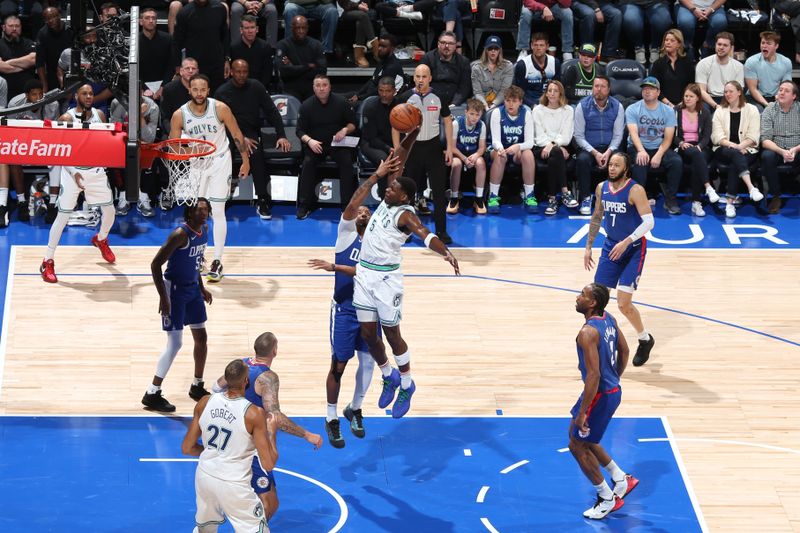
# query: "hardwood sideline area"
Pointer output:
{"type": "Point", "coordinates": [501, 337]}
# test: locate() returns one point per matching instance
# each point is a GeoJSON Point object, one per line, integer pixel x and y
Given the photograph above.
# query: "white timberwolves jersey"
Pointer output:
{"type": "Point", "coordinates": [383, 239]}
{"type": "Point", "coordinates": [229, 448]}
{"type": "Point", "coordinates": [206, 127]}
{"type": "Point", "coordinates": [94, 119]}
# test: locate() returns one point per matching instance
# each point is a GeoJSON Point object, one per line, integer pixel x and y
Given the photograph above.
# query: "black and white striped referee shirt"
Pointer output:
{"type": "Point", "coordinates": [432, 110]}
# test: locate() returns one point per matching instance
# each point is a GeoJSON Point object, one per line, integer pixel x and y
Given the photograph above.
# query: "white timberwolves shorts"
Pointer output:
{"type": "Point", "coordinates": [218, 499]}
{"type": "Point", "coordinates": [378, 295]}
{"type": "Point", "coordinates": [93, 183]}
{"type": "Point", "coordinates": [215, 180]}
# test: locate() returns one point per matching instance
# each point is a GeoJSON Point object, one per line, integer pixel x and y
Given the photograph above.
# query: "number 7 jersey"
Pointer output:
{"type": "Point", "coordinates": [620, 216]}
{"type": "Point", "coordinates": [229, 448]}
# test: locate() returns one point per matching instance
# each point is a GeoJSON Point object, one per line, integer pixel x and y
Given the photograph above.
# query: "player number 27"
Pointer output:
{"type": "Point", "coordinates": [216, 430]}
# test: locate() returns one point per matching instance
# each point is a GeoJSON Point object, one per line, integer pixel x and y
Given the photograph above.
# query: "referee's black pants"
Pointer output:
{"type": "Point", "coordinates": [427, 159]}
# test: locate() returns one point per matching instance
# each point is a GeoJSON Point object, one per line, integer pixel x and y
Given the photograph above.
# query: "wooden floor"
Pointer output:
{"type": "Point", "coordinates": [501, 337]}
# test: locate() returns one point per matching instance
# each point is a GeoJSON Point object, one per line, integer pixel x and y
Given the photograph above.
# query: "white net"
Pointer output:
{"type": "Point", "coordinates": [185, 175]}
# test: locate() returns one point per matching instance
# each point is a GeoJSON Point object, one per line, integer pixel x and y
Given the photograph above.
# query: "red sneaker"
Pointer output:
{"type": "Point", "coordinates": [624, 487]}
{"type": "Point", "coordinates": [48, 271]}
{"type": "Point", "coordinates": [105, 249]}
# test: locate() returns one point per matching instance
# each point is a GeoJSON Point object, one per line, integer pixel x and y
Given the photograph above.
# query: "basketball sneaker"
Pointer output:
{"type": "Point", "coordinates": [263, 210]}
{"type": "Point", "coordinates": [144, 207]}
{"type": "Point", "coordinates": [105, 249]}
{"type": "Point", "coordinates": [569, 200]}
{"type": "Point", "coordinates": [586, 206]}
{"type": "Point", "coordinates": [215, 274]}
{"type": "Point", "coordinates": [403, 402]}
{"type": "Point", "coordinates": [422, 207]}
{"type": "Point", "coordinates": [156, 402]}
{"type": "Point", "coordinates": [480, 206]}
{"type": "Point", "coordinates": [390, 385]}
{"type": "Point", "coordinates": [531, 205]}
{"type": "Point", "coordinates": [356, 420]}
{"type": "Point", "coordinates": [643, 351]}
{"type": "Point", "coordinates": [624, 487]}
{"type": "Point", "coordinates": [494, 204]}
{"type": "Point", "coordinates": [23, 212]}
{"type": "Point", "coordinates": [552, 207]}
{"type": "Point", "coordinates": [198, 391]}
{"type": "Point", "coordinates": [48, 271]}
{"type": "Point", "coordinates": [603, 508]}
{"type": "Point", "coordinates": [452, 207]}
{"type": "Point", "coordinates": [334, 432]}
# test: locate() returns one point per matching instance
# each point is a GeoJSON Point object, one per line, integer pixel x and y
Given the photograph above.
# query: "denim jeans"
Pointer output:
{"type": "Point", "coordinates": [658, 18]}
{"type": "Point", "coordinates": [687, 23]}
{"type": "Point", "coordinates": [587, 22]}
{"type": "Point", "coordinates": [454, 10]}
{"type": "Point", "coordinates": [327, 13]}
{"type": "Point", "coordinates": [563, 14]}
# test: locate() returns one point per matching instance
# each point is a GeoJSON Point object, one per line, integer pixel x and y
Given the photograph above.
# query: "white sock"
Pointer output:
{"type": "Point", "coordinates": [332, 412]}
{"type": "Point", "coordinates": [152, 389]}
{"type": "Point", "coordinates": [220, 228]}
{"type": "Point", "coordinates": [144, 197]}
{"type": "Point", "coordinates": [494, 188]}
{"type": "Point", "coordinates": [121, 199]}
{"type": "Point", "coordinates": [197, 381]}
{"type": "Point", "coordinates": [479, 191]}
{"type": "Point", "coordinates": [106, 221]}
{"type": "Point", "coordinates": [386, 369]}
{"type": "Point", "coordinates": [55, 234]}
{"type": "Point", "coordinates": [20, 198]}
{"type": "Point", "coordinates": [4, 196]}
{"type": "Point", "coordinates": [454, 193]}
{"type": "Point", "coordinates": [405, 379]}
{"type": "Point", "coordinates": [366, 368]}
{"type": "Point", "coordinates": [528, 189]}
{"type": "Point", "coordinates": [51, 200]}
{"type": "Point", "coordinates": [643, 335]}
{"type": "Point", "coordinates": [604, 491]}
{"type": "Point", "coordinates": [617, 474]}
{"type": "Point", "coordinates": [174, 343]}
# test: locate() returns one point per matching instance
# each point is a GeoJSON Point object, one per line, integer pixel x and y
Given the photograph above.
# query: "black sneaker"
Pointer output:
{"type": "Point", "coordinates": [643, 351]}
{"type": "Point", "coordinates": [198, 391]}
{"type": "Point", "coordinates": [452, 207]}
{"type": "Point", "coordinates": [480, 206]}
{"type": "Point", "coordinates": [302, 213]}
{"type": "Point", "coordinates": [156, 402]}
{"type": "Point", "coordinates": [334, 433]}
{"type": "Point", "coordinates": [356, 421]}
{"type": "Point", "coordinates": [23, 215]}
{"type": "Point", "coordinates": [422, 207]}
{"type": "Point", "coordinates": [444, 237]}
{"type": "Point", "coordinates": [3, 216]}
{"type": "Point", "coordinates": [264, 211]}
{"type": "Point", "coordinates": [52, 213]}
{"type": "Point", "coordinates": [672, 206]}
{"type": "Point", "coordinates": [215, 274]}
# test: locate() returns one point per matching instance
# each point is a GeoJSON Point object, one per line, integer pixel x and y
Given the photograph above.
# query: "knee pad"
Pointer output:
{"type": "Point", "coordinates": [403, 359]}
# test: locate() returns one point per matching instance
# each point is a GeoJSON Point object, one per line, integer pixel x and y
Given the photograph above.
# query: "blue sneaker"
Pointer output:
{"type": "Point", "coordinates": [494, 204]}
{"type": "Point", "coordinates": [390, 385]}
{"type": "Point", "coordinates": [531, 205]}
{"type": "Point", "coordinates": [586, 206]}
{"type": "Point", "coordinates": [403, 403]}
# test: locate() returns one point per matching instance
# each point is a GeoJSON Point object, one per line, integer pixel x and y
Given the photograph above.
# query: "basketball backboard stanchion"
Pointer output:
{"type": "Point", "coordinates": [134, 102]}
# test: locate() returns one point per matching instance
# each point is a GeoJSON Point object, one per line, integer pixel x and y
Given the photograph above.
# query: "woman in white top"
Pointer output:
{"type": "Point", "coordinates": [735, 132]}
{"type": "Point", "coordinates": [552, 135]}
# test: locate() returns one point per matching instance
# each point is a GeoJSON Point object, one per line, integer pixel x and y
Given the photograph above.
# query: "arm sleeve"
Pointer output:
{"type": "Point", "coordinates": [619, 130]}
{"type": "Point", "coordinates": [505, 83]}
{"type": "Point", "coordinates": [539, 137]}
{"type": "Point", "coordinates": [475, 77]}
{"type": "Point", "coordinates": [494, 124]}
{"type": "Point", "coordinates": [150, 125]}
{"type": "Point", "coordinates": [567, 124]}
{"type": "Point", "coordinates": [717, 130]}
{"type": "Point", "coordinates": [302, 120]}
{"type": "Point", "coordinates": [579, 130]}
{"type": "Point", "coordinates": [528, 144]}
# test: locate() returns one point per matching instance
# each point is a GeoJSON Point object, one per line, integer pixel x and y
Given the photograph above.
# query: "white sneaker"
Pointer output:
{"type": "Point", "coordinates": [603, 508]}
{"type": "Point", "coordinates": [522, 55]}
{"type": "Point", "coordinates": [586, 206]}
{"type": "Point", "coordinates": [407, 8]}
{"type": "Point", "coordinates": [654, 52]}
{"type": "Point", "coordinates": [566, 56]}
{"type": "Point", "coordinates": [410, 15]}
{"type": "Point", "coordinates": [639, 54]}
{"type": "Point", "coordinates": [713, 197]}
{"type": "Point", "coordinates": [697, 209]}
{"type": "Point", "coordinates": [144, 207]}
{"type": "Point", "coordinates": [730, 211]}
{"type": "Point", "coordinates": [756, 195]}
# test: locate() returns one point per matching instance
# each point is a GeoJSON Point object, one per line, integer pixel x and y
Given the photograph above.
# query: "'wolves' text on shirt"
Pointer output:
{"type": "Point", "coordinates": [614, 207]}
{"type": "Point", "coordinates": [513, 130]}
{"type": "Point", "coordinates": [200, 129]}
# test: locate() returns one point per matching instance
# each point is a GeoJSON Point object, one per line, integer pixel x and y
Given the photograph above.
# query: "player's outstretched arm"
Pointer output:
{"type": "Point", "coordinates": [190, 446]}
{"type": "Point", "coordinates": [258, 424]}
{"type": "Point", "coordinates": [411, 222]}
{"type": "Point", "coordinates": [402, 151]}
{"type": "Point", "coordinates": [387, 166]}
{"type": "Point", "coordinates": [321, 264]}
{"type": "Point", "coordinates": [267, 385]}
{"type": "Point", "coordinates": [177, 239]}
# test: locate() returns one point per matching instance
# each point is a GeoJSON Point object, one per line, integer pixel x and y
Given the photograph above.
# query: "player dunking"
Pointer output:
{"type": "Point", "coordinates": [235, 434]}
{"type": "Point", "coordinates": [602, 358]}
{"type": "Point", "coordinates": [262, 391]}
{"type": "Point", "coordinates": [345, 330]}
{"type": "Point", "coordinates": [207, 119]}
{"type": "Point", "coordinates": [627, 220]}
{"type": "Point", "coordinates": [92, 181]}
{"type": "Point", "coordinates": [181, 301]}
{"type": "Point", "coordinates": [378, 293]}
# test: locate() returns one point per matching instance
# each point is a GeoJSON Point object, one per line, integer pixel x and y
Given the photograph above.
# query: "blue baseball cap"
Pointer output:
{"type": "Point", "coordinates": [493, 42]}
{"type": "Point", "coordinates": [651, 81]}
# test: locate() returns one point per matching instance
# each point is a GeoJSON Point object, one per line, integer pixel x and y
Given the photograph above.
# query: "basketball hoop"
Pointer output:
{"type": "Point", "coordinates": [186, 160]}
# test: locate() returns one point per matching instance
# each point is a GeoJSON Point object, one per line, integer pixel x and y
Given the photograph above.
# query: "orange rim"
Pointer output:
{"type": "Point", "coordinates": [164, 150]}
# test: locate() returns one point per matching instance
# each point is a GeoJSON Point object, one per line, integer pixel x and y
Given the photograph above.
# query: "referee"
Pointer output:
{"type": "Point", "coordinates": [426, 158]}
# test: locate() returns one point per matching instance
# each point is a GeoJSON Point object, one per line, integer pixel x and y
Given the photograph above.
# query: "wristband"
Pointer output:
{"type": "Point", "coordinates": [429, 238]}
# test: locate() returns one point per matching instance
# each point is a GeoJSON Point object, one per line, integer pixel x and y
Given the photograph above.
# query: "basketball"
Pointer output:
{"type": "Point", "coordinates": [405, 118]}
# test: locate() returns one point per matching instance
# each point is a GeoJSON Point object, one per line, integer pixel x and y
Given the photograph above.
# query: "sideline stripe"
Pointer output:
{"type": "Point", "coordinates": [343, 512]}
{"type": "Point", "coordinates": [686, 481]}
{"type": "Point", "coordinates": [516, 465]}
{"type": "Point", "coordinates": [725, 441]}
{"type": "Point", "coordinates": [12, 258]}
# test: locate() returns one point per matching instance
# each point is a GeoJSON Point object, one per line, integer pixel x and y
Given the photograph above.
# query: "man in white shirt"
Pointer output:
{"type": "Point", "coordinates": [713, 72]}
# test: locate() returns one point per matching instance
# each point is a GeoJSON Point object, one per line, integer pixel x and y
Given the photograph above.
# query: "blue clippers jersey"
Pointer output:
{"type": "Point", "coordinates": [256, 369]}
{"type": "Point", "coordinates": [184, 264]}
{"type": "Point", "coordinates": [467, 141]}
{"type": "Point", "coordinates": [606, 350]}
{"type": "Point", "coordinates": [348, 248]}
{"type": "Point", "coordinates": [620, 216]}
{"type": "Point", "coordinates": [512, 131]}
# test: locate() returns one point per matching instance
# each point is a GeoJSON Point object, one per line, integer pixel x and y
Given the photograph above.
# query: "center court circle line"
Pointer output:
{"type": "Point", "coordinates": [484, 489]}
{"type": "Point", "coordinates": [343, 512]}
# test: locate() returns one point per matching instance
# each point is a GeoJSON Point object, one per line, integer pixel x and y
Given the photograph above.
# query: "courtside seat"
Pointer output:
{"type": "Point", "coordinates": [289, 108]}
{"type": "Point", "coordinates": [626, 77]}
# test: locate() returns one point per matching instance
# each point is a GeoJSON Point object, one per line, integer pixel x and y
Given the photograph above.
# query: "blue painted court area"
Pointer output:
{"type": "Point", "coordinates": [417, 474]}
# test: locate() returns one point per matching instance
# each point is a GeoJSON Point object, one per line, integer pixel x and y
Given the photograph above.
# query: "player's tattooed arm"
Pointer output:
{"type": "Point", "coordinates": [597, 217]}
{"type": "Point", "coordinates": [269, 384]}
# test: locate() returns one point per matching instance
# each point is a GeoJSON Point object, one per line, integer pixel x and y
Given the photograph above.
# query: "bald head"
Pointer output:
{"type": "Point", "coordinates": [422, 78]}
{"type": "Point", "coordinates": [299, 28]}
